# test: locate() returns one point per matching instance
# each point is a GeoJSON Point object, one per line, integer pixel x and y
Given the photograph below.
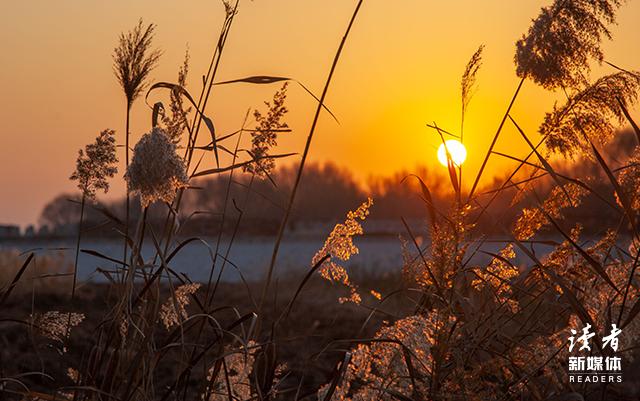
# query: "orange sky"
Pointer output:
{"type": "Point", "coordinates": [400, 70]}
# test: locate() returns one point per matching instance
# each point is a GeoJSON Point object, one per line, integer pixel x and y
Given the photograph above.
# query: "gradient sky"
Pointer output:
{"type": "Point", "coordinates": [400, 70]}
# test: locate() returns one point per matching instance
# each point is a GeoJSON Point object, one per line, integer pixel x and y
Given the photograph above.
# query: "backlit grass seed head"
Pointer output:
{"type": "Point", "coordinates": [95, 164]}
{"type": "Point", "coordinates": [469, 78]}
{"type": "Point", "coordinates": [498, 275]}
{"type": "Point", "coordinates": [239, 365]}
{"type": "Point", "coordinates": [630, 180]}
{"type": "Point", "coordinates": [265, 135]}
{"type": "Point", "coordinates": [55, 324]}
{"type": "Point", "coordinates": [339, 244]}
{"type": "Point", "coordinates": [381, 366]}
{"type": "Point", "coordinates": [597, 298]}
{"type": "Point", "coordinates": [562, 40]}
{"type": "Point", "coordinates": [634, 248]}
{"type": "Point", "coordinates": [531, 220]}
{"type": "Point", "coordinates": [73, 375]}
{"type": "Point", "coordinates": [156, 171]}
{"type": "Point", "coordinates": [133, 60]}
{"type": "Point", "coordinates": [592, 115]}
{"type": "Point", "coordinates": [446, 253]}
{"type": "Point", "coordinates": [228, 8]}
{"type": "Point", "coordinates": [173, 311]}
{"type": "Point", "coordinates": [561, 258]}
{"type": "Point", "coordinates": [175, 123]}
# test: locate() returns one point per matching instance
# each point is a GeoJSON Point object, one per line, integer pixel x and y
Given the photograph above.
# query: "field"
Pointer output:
{"type": "Point", "coordinates": [245, 280]}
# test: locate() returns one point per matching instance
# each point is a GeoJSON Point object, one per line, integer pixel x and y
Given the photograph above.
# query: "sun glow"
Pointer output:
{"type": "Point", "coordinates": [456, 150]}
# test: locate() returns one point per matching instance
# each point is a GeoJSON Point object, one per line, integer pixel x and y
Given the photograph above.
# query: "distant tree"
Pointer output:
{"type": "Point", "coordinates": [30, 231]}
{"type": "Point", "coordinates": [326, 192]}
{"type": "Point", "coordinates": [63, 210]}
{"type": "Point", "coordinates": [62, 214]}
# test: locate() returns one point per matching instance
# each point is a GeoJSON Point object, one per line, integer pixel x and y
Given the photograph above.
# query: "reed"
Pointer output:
{"type": "Point", "coordinates": [461, 320]}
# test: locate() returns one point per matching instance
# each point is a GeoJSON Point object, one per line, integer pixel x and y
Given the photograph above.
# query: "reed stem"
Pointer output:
{"type": "Point", "coordinates": [285, 219]}
{"type": "Point", "coordinates": [493, 142]}
{"type": "Point", "coordinates": [127, 206]}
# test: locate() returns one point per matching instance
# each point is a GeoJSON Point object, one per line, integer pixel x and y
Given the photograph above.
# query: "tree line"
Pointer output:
{"type": "Point", "coordinates": [245, 202]}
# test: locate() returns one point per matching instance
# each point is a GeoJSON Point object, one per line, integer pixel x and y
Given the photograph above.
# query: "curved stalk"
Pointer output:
{"type": "Point", "coordinates": [285, 219]}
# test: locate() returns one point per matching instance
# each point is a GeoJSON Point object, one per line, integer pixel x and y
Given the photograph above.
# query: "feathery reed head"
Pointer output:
{"type": "Point", "coordinates": [563, 39]}
{"type": "Point", "coordinates": [531, 220]}
{"type": "Point", "coordinates": [56, 325]}
{"type": "Point", "coordinates": [96, 164]}
{"type": "Point", "coordinates": [469, 77]}
{"type": "Point", "coordinates": [590, 114]}
{"type": "Point", "coordinates": [228, 8]}
{"type": "Point", "coordinates": [380, 367]}
{"type": "Point", "coordinates": [156, 171]}
{"type": "Point", "coordinates": [630, 182]}
{"type": "Point", "coordinates": [339, 244]}
{"type": "Point", "coordinates": [173, 311]}
{"type": "Point", "coordinates": [177, 122]}
{"type": "Point", "coordinates": [133, 60]}
{"type": "Point", "coordinates": [235, 382]}
{"type": "Point", "coordinates": [265, 135]}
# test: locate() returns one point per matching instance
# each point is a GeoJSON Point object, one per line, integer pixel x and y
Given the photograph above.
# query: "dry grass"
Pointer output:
{"type": "Point", "coordinates": [48, 272]}
{"type": "Point", "coordinates": [446, 327]}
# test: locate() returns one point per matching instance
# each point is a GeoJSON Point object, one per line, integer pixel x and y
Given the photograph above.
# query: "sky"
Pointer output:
{"type": "Point", "coordinates": [399, 71]}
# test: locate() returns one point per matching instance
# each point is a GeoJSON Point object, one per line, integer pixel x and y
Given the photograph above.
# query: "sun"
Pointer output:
{"type": "Point", "coordinates": [457, 151]}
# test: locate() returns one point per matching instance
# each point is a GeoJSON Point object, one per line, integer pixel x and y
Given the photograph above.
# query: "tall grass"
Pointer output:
{"type": "Point", "coordinates": [457, 326]}
{"type": "Point", "coordinates": [133, 61]}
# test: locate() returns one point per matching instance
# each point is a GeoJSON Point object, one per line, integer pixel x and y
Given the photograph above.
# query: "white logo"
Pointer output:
{"type": "Point", "coordinates": [590, 368]}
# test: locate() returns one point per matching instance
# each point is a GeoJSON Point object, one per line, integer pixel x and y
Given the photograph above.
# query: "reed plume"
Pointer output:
{"type": "Point", "coordinates": [265, 135]}
{"type": "Point", "coordinates": [563, 39]}
{"type": "Point", "coordinates": [629, 180]}
{"type": "Point", "coordinates": [133, 61]}
{"type": "Point", "coordinates": [531, 220]}
{"type": "Point", "coordinates": [156, 171]}
{"type": "Point", "coordinates": [93, 167]}
{"type": "Point", "coordinates": [591, 115]}
{"type": "Point", "coordinates": [380, 370]}
{"type": "Point", "coordinates": [175, 123]}
{"type": "Point", "coordinates": [339, 245]}
{"type": "Point", "coordinates": [55, 325]}
{"type": "Point", "coordinates": [468, 81]}
{"type": "Point", "coordinates": [173, 311]}
{"type": "Point", "coordinates": [235, 381]}
{"type": "Point", "coordinates": [96, 164]}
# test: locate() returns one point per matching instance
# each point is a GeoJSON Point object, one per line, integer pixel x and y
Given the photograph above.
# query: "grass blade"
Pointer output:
{"type": "Point", "coordinates": [237, 165]}
{"type": "Point", "coordinates": [183, 91]}
{"type": "Point", "coordinates": [337, 378]}
{"type": "Point", "coordinates": [594, 263]}
{"type": "Point", "coordinates": [265, 79]}
{"type": "Point", "coordinates": [16, 278]}
{"type": "Point", "coordinates": [426, 193]}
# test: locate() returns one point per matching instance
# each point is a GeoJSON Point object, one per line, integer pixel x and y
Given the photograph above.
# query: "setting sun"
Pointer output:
{"type": "Point", "coordinates": [456, 149]}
